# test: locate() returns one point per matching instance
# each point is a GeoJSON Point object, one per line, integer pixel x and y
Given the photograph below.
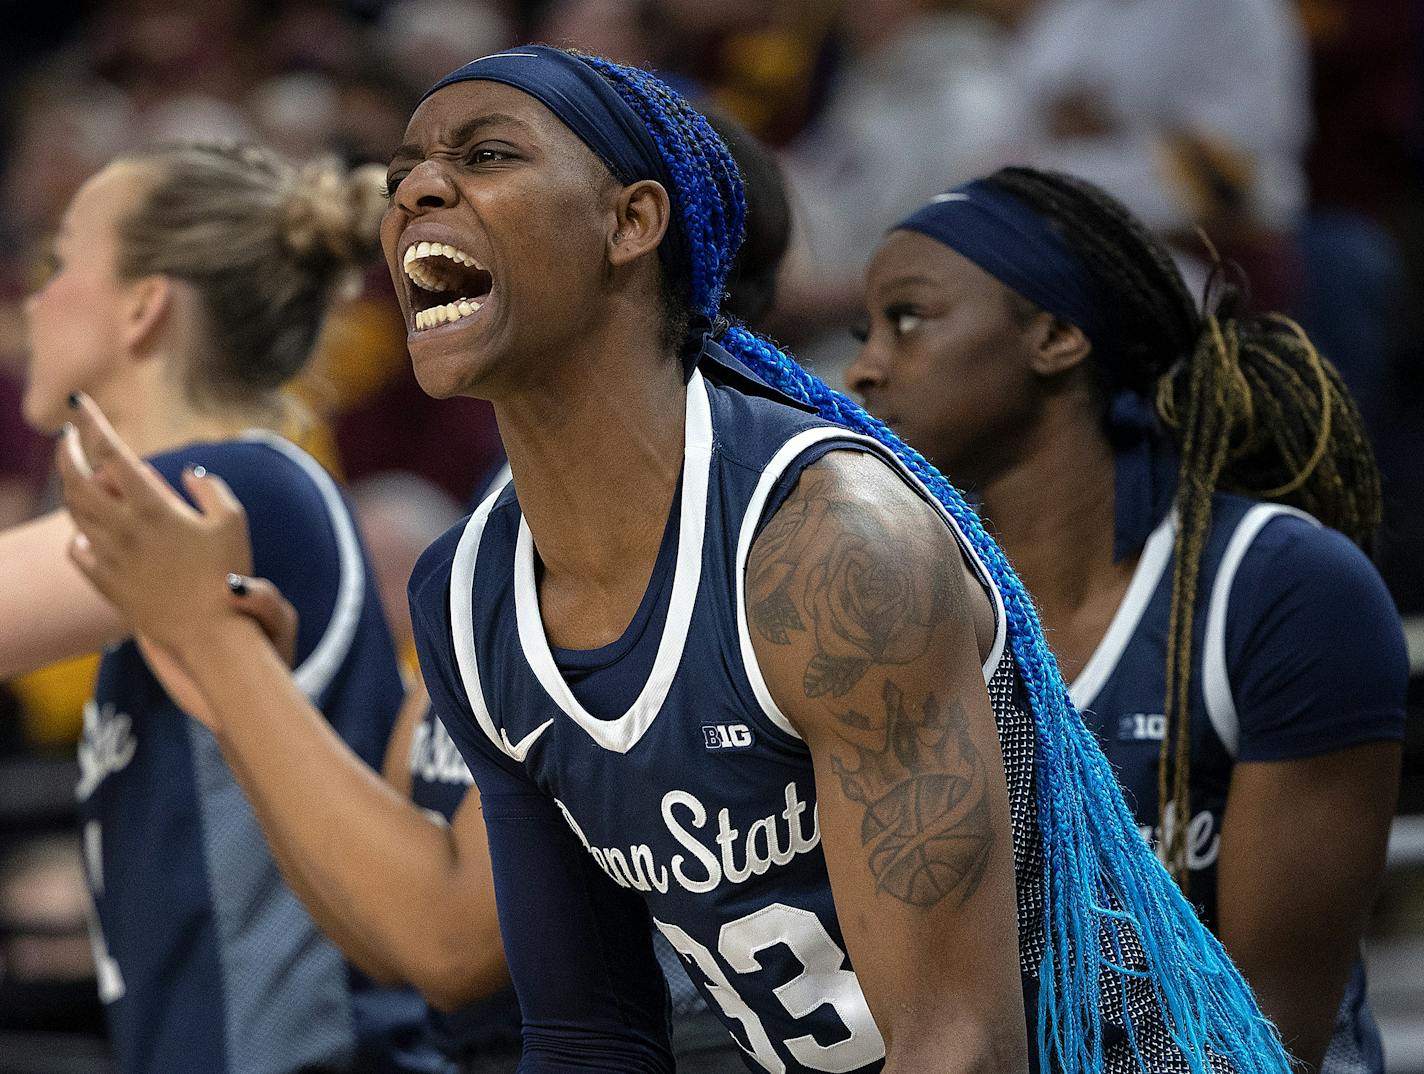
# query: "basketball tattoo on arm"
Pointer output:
{"type": "Point", "coordinates": [866, 606]}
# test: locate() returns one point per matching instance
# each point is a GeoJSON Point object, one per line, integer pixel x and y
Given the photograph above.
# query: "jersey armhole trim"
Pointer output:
{"type": "Point", "coordinates": [1216, 680]}
{"type": "Point", "coordinates": [784, 457]}
{"type": "Point", "coordinates": [316, 673]}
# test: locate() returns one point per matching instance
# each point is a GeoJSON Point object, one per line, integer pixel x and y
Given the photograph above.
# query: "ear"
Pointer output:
{"type": "Point", "coordinates": [1056, 346]}
{"type": "Point", "coordinates": [642, 213]}
{"type": "Point", "coordinates": [149, 302]}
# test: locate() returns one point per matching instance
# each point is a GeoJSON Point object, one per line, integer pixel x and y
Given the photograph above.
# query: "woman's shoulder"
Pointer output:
{"type": "Point", "coordinates": [1298, 585]}
{"type": "Point", "coordinates": [302, 529]}
{"type": "Point", "coordinates": [1309, 640]}
{"type": "Point", "coordinates": [429, 585]}
{"type": "Point", "coordinates": [1274, 542]}
{"type": "Point", "coordinates": [270, 476]}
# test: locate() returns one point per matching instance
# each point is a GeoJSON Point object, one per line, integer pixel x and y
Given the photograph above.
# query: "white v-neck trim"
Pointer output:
{"type": "Point", "coordinates": [462, 630]}
{"type": "Point", "coordinates": [1156, 554]}
{"type": "Point", "coordinates": [622, 734]}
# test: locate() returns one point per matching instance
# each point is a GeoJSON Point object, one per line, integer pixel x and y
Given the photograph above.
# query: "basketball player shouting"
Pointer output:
{"type": "Point", "coordinates": [734, 663]}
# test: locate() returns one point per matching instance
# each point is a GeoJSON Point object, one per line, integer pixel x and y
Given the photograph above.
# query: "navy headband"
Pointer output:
{"type": "Point", "coordinates": [592, 109]}
{"type": "Point", "coordinates": [1016, 246]}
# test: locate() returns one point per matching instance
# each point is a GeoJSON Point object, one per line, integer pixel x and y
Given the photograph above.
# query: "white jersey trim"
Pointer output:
{"type": "Point", "coordinates": [314, 674]}
{"type": "Point", "coordinates": [1156, 554]}
{"type": "Point", "coordinates": [1216, 682]}
{"type": "Point", "coordinates": [622, 734]}
{"type": "Point", "coordinates": [462, 631]}
{"type": "Point", "coordinates": [783, 458]}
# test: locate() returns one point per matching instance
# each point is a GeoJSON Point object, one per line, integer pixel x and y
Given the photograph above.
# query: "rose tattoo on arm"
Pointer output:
{"type": "Point", "coordinates": [865, 604]}
{"type": "Point", "coordinates": [861, 599]}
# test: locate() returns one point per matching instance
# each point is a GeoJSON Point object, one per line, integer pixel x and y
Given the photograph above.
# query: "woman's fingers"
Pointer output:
{"type": "Point", "coordinates": [155, 556]}
{"type": "Point", "coordinates": [72, 451]}
{"type": "Point", "coordinates": [93, 507]}
{"type": "Point", "coordinates": [92, 565]}
{"type": "Point", "coordinates": [103, 519]}
{"type": "Point", "coordinates": [212, 494]}
{"type": "Point", "coordinates": [82, 553]}
{"type": "Point", "coordinates": [115, 463]}
{"type": "Point", "coordinates": [262, 601]}
{"type": "Point", "coordinates": [102, 446]}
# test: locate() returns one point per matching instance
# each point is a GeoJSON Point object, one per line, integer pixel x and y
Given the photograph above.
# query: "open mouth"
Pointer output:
{"type": "Point", "coordinates": [450, 285]}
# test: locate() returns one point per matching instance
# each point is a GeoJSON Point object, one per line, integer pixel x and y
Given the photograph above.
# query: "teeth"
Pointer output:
{"type": "Point", "coordinates": [451, 311]}
{"type": "Point", "coordinates": [422, 264]}
{"type": "Point", "coordinates": [422, 277]}
{"type": "Point", "coordinates": [418, 251]}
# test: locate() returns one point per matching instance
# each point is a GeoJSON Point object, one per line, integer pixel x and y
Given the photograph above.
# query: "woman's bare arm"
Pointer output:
{"type": "Point", "coordinates": [396, 767]}
{"type": "Point", "coordinates": [49, 610]}
{"type": "Point", "coordinates": [1302, 852]}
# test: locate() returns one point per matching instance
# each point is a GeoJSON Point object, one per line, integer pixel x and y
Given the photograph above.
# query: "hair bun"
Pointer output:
{"type": "Point", "coordinates": [333, 216]}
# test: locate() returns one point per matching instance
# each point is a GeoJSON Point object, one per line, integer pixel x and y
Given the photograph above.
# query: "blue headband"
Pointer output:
{"type": "Point", "coordinates": [589, 107]}
{"type": "Point", "coordinates": [1016, 246]}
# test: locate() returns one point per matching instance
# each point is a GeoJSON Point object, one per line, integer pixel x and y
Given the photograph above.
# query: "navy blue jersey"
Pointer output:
{"type": "Point", "coordinates": [206, 960]}
{"type": "Point", "coordinates": [1297, 651]}
{"type": "Point", "coordinates": [693, 811]}
{"type": "Point", "coordinates": [440, 779]}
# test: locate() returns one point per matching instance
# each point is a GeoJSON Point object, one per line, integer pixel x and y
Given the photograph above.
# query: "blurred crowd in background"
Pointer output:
{"type": "Point", "coordinates": [1289, 131]}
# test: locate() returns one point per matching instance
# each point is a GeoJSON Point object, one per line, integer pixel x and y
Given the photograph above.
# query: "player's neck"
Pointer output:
{"type": "Point", "coordinates": [152, 411]}
{"type": "Point", "coordinates": [1052, 512]}
{"type": "Point", "coordinates": [596, 452]}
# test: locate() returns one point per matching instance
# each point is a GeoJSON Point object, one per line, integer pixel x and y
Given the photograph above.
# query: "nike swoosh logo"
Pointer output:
{"type": "Point", "coordinates": [517, 751]}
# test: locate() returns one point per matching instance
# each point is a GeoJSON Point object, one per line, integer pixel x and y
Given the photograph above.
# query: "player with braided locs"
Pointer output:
{"type": "Point", "coordinates": [1079, 799]}
{"type": "Point", "coordinates": [778, 691]}
{"type": "Point", "coordinates": [1159, 477]}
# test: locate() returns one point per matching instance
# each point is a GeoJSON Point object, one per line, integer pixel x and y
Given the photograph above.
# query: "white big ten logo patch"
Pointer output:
{"type": "Point", "coordinates": [1141, 727]}
{"type": "Point", "coordinates": [726, 736]}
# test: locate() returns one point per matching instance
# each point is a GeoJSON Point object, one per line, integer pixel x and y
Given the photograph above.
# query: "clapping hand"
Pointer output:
{"type": "Point", "coordinates": [176, 572]}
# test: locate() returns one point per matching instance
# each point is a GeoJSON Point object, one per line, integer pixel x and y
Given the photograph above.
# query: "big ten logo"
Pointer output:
{"type": "Point", "coordinates": [726, 736]}
{"type": "Point", "coordinates": [1141, 727]}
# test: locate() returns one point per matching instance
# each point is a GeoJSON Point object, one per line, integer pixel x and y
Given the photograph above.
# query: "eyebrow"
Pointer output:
{"type": "Point", "coordinates": [464, 133]}
{"type": "Point", "coordinates": [908, 279]}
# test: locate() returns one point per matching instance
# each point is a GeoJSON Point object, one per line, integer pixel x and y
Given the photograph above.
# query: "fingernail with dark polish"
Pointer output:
{"type": "Point", "coordinates": [238, 584]}
{"type": "Point", "coordinates": [73, 400]}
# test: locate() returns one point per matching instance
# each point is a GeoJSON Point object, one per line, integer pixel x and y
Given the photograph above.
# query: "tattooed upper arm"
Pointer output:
{"type": "Point", "coordinates": [863, 625]}
{"type": "Point", "coordinates": [869, 635]}
{"type": "Point", "coordinates": [835, 561]}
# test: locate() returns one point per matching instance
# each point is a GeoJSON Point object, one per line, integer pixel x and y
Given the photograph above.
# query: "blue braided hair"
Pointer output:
{"type": "Point", "coordinates": [1099, 874]}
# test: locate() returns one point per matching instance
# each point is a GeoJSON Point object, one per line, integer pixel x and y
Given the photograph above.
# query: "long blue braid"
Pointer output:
{"type": "Point", "coordinates": [1099, 874]}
